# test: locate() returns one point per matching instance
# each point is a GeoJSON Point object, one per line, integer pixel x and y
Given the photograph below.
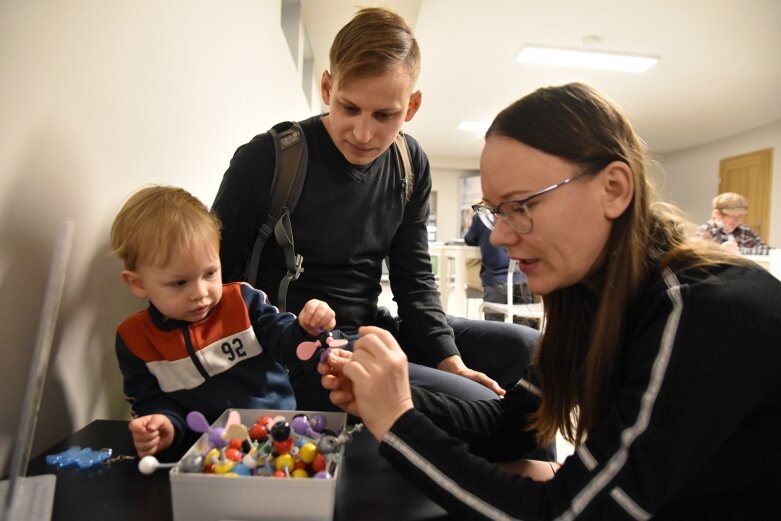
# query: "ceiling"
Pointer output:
{"type": "Point", "coordinates": [719, 71]}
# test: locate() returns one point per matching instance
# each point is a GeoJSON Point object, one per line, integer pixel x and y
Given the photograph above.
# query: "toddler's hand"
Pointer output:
{"type": "Point", "coordinates": [151, 434]}
{"type": "Point", "coordinates": [316, 317]}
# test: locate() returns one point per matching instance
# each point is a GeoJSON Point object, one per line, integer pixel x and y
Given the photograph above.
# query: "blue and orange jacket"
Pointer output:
{"type": "Point", "coordinates": [233, 358]}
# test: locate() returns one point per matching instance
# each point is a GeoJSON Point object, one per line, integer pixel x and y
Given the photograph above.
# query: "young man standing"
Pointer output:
{"type": "Point", "coordinates": [352, 214]}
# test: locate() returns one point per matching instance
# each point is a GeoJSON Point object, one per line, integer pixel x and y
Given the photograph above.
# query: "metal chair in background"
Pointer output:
{"type": "Point", "coordinates": [509, 309]}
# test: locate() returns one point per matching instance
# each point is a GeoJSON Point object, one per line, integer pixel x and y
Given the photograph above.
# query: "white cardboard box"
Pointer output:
{"type": "Point", "coordinates": [212, 497]}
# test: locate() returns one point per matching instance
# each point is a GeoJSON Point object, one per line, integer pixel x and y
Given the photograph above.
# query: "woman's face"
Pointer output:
{"type": "Point", "coordinates": [570, 225]}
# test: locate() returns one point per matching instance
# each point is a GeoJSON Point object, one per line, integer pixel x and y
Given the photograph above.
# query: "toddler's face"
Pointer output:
{"type": "Point", "coordinates": [187, 287]}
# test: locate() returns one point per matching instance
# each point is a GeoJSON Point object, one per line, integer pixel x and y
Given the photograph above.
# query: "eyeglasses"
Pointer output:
{"type": "Point", "coordinates": [515, 213]}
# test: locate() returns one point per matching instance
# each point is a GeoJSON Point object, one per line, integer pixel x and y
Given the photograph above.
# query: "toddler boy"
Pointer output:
{"type": "Point", "coordinates": [200, 345]}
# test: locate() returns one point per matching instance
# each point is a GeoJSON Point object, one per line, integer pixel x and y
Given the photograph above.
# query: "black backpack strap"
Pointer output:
{"type": "Point", "coordinates": [289, 174]}
{"type": "Point", "coordinates": [283, 232]}
{"type": "Point", "coordinates": [407, 175]}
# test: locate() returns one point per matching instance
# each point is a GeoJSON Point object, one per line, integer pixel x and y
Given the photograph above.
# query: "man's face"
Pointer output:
{"type": "Point", "coordinates": [366, 114]}
{"type": "Point", "coordinates": [729, 222]}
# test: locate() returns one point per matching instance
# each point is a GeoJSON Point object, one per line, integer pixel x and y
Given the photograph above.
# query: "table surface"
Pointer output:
{"type": "Point", "coordinates": [369, 488]}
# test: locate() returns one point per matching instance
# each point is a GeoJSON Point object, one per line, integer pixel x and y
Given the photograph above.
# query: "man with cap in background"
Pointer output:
{"type": "Point", "coordinates": [726, 224]}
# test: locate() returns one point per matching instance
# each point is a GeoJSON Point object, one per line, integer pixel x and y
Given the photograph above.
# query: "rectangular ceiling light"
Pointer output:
{"type": "Point", "coordinates": [585, 58]}
{"type": "Point", "coordinates": [478, 127]}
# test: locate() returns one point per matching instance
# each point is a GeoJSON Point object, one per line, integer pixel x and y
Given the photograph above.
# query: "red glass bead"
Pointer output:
{"type": "Point", "coordinates": [233, 454]}
{"type": "Point", "coordinates": [283, 447]}
{"type": "Point", "coordinates": [258, 432]}
{"type": "Point", "coordinates": [318, 464]}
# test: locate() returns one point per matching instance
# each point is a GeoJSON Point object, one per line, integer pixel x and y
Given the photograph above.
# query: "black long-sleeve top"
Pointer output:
{"type": "Point", "coordinates": [692, 431]}
{"type": "Point", "coordinates": [347, 220]}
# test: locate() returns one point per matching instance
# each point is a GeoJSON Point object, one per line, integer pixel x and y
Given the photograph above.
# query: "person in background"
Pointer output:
{"type": "Point", "coordinates": [494, 264]}
{"type": "Point", "coordinates": [351, 215]}
{"type": "Point", "coordinates": [200, 345]}
{"type": "Point", "coordinates": [726, 224]}
{"type": "Point", "coordinates": [659, 360]}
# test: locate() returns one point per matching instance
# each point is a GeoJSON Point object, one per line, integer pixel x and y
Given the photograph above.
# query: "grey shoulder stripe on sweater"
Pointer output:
{"type": "Point", "coordinates": [627, 504]}
{"type": "Point", "coordinates": [443, 481]}
{"type": "Point", "coordinates": [616, 462]}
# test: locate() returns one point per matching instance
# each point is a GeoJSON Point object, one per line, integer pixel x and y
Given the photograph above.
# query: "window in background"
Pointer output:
{"type": "Point", "coordinates": [469, 193]}
{"type": "Point", "coordinates": [432, 218]}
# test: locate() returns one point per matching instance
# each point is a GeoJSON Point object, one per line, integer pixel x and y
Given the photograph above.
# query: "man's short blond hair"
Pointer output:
{"type": "Point", "coordinates": [158, 220]}
{"type": "Point", "coordinates": [730, 203]}
{"type": "Point", "coordinates": [375, 41]}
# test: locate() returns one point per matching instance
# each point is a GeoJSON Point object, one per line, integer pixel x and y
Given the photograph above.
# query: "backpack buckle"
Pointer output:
{"type": "Point", "coordinates": [297, 268]}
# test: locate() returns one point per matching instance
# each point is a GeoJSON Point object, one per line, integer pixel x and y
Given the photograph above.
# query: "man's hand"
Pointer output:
{"type": "Point", "coordinates": [454, 364]}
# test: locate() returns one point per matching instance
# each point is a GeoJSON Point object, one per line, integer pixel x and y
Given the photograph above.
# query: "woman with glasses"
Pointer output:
{"type": "Point", "coordinates": [660, 360]}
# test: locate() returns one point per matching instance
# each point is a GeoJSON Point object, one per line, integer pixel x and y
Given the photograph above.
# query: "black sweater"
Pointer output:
{"type": "Point", "coordinates": [347, 220]}
{"type": "Point", "coordinates": [692, 431]}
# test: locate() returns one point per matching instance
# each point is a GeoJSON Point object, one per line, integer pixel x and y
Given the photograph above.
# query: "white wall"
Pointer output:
{"type": "Point", "coordinates": [690, 177]}
{"type": "Point", "coordinates": [97, 99]}
{"type": "Point", "coordinates": [445, 173]}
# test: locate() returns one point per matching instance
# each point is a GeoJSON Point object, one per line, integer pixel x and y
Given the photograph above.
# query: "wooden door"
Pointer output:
{"type": "Point", "coordinates": [750, 175]}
